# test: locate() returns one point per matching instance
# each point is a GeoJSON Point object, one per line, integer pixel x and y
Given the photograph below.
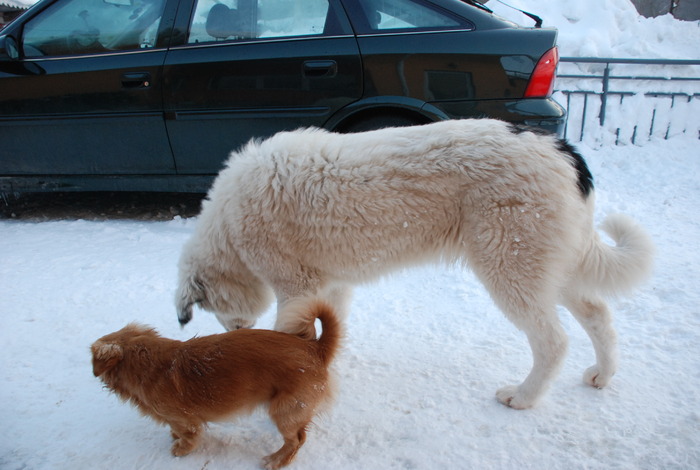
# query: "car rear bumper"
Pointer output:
{"type": "Point", "coordinates": [545, 113]}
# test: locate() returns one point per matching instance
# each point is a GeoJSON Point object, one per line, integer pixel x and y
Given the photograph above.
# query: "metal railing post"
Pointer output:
{"type": "Point", "coordinates": [604, 96]}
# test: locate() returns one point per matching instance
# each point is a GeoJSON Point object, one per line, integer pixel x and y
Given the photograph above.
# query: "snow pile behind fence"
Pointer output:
{"type": "Point", "coordinates": [629, 101]}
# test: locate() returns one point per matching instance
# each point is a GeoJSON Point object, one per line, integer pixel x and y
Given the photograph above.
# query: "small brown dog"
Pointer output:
{"type": "Point", "coordinates": [187, 384]}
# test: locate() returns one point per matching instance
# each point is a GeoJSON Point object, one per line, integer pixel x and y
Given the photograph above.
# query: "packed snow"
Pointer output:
{"type": "Point", "coordinates": [426, 348]}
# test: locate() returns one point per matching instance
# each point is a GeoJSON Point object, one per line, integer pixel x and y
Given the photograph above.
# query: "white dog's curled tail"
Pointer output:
{"type": "Point", "coordinates": [612, 270]}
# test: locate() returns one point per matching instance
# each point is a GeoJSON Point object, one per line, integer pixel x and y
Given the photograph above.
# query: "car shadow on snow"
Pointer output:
{"type": "Point", "coordinates": [99, 206]}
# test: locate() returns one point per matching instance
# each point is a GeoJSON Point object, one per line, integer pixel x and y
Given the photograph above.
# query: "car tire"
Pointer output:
{"type": "Point", "coordinates": [379, 122]}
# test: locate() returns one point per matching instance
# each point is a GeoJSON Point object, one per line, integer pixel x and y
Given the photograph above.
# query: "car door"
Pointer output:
{"type": "Point", "coordinates": [250, 68]}
{"type": "Point", "coordinates": [85, 95]}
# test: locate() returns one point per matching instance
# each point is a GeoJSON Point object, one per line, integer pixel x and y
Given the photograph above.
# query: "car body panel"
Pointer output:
{"type": "Point", "coordinates": [69, 115]}
{"type": "Point", "coordinates": [166, 116]}
{"type": "Point", "coordinates": [220, 94]}
{"type": "Point", "coordinates": [217, 97]}
{"type": "Point", "coordinates": [72, 106]}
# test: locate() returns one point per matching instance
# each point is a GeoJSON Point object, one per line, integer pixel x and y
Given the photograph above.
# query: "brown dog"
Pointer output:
{"type": "Point", "coordinates": [186, 384]}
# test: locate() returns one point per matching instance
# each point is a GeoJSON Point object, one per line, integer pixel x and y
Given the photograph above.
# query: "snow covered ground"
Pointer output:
{"type": "Point", "coordinates": [425, 352]}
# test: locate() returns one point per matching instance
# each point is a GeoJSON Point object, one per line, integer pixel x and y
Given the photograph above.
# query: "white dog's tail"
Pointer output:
{"type": "Point", "coordinates": [611, 270]}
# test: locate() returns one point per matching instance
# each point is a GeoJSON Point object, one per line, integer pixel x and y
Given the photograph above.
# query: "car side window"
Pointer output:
{"type": "Point", "coordinates": [230, 20]}
{"type": "Point", "coordinates": [75, 27]}
{"type": "Point", "coordinates": [404, 15]}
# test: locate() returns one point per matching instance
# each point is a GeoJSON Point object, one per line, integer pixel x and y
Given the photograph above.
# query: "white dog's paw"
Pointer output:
{"type": "Point", "coordinates": [510, 396]}
{"type": "Point", "coordinates": [595, 378]}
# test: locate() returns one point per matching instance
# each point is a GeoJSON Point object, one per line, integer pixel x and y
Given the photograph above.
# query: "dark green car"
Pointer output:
{"type": "Point", "coordinates": [153, 94]}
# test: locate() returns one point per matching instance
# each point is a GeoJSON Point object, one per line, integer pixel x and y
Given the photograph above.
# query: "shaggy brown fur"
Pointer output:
{"type": "Point", "coordinates": [187, 384]}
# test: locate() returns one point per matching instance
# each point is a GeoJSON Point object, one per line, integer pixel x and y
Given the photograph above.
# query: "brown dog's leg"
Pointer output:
{"type": "Point", "coordinates": [284, 456]}
{"type": "Point", "coordinates": [187, 436]}
{"type": "Point", "coordinates": [291, 417]}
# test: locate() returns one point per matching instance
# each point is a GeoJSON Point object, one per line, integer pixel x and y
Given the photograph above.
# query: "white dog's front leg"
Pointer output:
{"type": "Point", "coordinates": [339, 297]}
{"type": "Point", "coordinates": [291, 309]}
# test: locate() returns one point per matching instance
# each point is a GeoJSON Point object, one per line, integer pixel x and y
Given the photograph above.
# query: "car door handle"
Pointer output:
{"type": "Point", "coordinates": [133, 80]}
{"type": "Point", "coordinates": [320, 68]}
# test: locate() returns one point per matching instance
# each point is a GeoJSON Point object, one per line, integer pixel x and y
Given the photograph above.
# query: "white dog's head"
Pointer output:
{"type": "Point", "coordinates": [235, 296]}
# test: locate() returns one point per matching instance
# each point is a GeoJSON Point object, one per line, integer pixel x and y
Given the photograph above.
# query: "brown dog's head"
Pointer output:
{"type": "Point", "coordinates": [108, 351]}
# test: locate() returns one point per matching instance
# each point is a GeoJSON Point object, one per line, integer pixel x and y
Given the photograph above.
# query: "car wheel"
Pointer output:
{"type": "Point", "coordinates": [379, 122]}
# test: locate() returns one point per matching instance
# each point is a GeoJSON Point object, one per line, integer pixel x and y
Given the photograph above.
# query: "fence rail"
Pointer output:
{"type": "Point", "coordinates": [659, 97]}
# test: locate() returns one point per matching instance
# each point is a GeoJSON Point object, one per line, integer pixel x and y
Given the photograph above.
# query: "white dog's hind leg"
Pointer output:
{"type": "Point", "coordinates": [521, 263]}
{"type": "Point", "coordinates": [548, 342]}
{"type": "Point", "coordinates": [595, 318]}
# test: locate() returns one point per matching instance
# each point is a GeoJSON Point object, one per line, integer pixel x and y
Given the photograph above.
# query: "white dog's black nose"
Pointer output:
{"type": "Point", "coordinates": [184, 316]}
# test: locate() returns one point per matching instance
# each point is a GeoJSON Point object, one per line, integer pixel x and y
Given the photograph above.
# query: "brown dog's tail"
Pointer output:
{"type": "Point", "coordinates": [327, 345]}
{"type": "Point", "coordinates": [299, 318]}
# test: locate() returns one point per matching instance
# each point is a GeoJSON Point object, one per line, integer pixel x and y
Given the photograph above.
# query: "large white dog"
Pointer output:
{"type": "Point", "coordinates": [311, 213]}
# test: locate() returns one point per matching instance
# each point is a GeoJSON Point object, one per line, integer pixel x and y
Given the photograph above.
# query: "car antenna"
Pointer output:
{"type": "Point", "coordinates": [535, 18]}
{"type": "Point", "coordinates": [478, 5]}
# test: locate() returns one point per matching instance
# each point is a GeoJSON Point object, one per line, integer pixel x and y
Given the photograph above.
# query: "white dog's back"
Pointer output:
{"type": "Point", "coordinates": [356, 206]}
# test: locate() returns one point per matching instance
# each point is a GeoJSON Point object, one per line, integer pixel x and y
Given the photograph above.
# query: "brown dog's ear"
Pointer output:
{"type": "Point", "coordinates": [105, 356]}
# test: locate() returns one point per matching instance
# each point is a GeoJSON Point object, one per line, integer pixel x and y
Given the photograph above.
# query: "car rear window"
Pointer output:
{"type": "Point", "coordinates": [391, 16]}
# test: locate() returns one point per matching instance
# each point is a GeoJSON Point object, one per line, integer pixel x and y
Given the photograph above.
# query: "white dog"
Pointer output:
{"type": "Point", "coordinates": [313, 212]}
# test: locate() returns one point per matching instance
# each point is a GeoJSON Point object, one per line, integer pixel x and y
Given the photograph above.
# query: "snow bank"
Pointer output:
{"type": "Point", "coordinates": [609, 28]}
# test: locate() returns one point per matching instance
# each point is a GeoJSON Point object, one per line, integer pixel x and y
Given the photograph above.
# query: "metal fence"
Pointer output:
{"type": "Point", "coordinates": [629, 100]}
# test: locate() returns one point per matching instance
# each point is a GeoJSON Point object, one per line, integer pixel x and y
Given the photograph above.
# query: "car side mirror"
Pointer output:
{"type": "Point", "coordinates": [8, 48]}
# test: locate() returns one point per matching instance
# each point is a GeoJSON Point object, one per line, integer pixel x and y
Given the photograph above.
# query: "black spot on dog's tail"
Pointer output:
{"type": "Point", "coordinates": [585, 178]}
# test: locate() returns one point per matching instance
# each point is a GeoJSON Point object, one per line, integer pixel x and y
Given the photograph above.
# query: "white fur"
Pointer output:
{"type": "Point", "coordinates": [312, 213]}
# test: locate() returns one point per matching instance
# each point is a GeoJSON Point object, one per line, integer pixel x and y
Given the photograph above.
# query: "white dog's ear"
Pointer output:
{"type": "Point", "coordinates": [191, 292]}
{"type": "Point", "coordinates": [105, 356]}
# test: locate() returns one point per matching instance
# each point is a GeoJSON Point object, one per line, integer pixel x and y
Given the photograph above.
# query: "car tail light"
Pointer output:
{"type": "Point", "coordinates": [542, 79]}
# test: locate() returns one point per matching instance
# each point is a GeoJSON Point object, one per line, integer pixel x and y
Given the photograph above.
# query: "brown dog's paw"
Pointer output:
{"type": "Point", "coordinates": [271, 463]}
{"type": "Point", "coordinates": [279, 459]}
{"type": "Point", "coordinates": [182, 447]}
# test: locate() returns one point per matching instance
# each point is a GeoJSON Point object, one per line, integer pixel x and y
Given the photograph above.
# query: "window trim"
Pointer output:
{"type": "Point", "coordinates": [248, 42]}
{"type": "Point", "coordinates": [413, 32]}
{"type": "Point", "coordinates": [93, 55]}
